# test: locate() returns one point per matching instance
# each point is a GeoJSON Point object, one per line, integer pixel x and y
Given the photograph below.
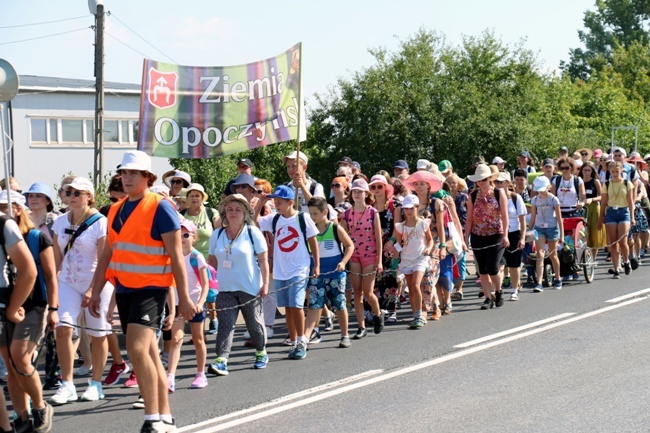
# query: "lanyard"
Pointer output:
{"type": "Point", "coordinates": [228, 248]}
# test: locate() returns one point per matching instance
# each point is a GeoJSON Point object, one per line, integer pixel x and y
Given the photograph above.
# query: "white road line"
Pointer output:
{"type": "Point", "coordinates": [397, 373]}
{"type": "Point", "coordinates": [284, 399]}
{"type": "Point", "coordinates": [628, 296]}
{"type": "Point", "coordinates": [512, 331]}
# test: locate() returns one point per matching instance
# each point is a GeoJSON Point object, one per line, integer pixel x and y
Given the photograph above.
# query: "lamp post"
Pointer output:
{"type": "Point", "coordinates": [8, 88]}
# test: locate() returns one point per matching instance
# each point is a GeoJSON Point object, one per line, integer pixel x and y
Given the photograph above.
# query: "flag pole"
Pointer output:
{"type": "Point", "coordinates": [300, 102]}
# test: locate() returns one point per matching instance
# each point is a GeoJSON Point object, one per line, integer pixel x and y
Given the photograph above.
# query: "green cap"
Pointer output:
{"type": "Point", "coordinates": [444, 166]}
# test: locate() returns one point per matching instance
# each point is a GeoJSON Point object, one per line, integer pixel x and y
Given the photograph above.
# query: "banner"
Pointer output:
{"type": "Point", "coordinates": [202, 112]}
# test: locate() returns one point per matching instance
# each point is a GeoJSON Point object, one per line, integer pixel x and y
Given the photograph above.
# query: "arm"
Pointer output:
{"type": "Point", "coordinates": [440, 228]}
{"type": "Point", "coordinates": [533, 215]}
{"type": "Point", "coordinates": [603, 208]}
{"type": "Point", "coordinates": [25, 279]}
{"type": "Point", "coordinates": [582, 196]}
{"type": "Point", "coordinates": [522, 224]}
{"type": "Point", "coordinates": [85, 301]}
{"type": "Point", "coordinates": [377, 226]}
{"type": "Point", "coordinates": [469, 221]}
{"type": "Point", "coordinates": [598, 187]}
{"type": "Point", "coordinates": [212, 261]}
{"type": "Point", "coordinates": [58, 256]}
{"type": "Point", "coordinates": [313, 245]}
{"type": "Point", "coordinates": [503, 213]}
{"type": "Point", "coordinates": [428, 248]}
{"type": "Point", "coordinates": [258, 207]}
{"type": "Point", "coordinates": [558, 217]}
{"type": "Point", "coordinates": [49, 274]}
{"type": "Point", "coordinates": [349, 248]}
{"type": "Point", "coordinates": [262, 259]}
{"type": "Point", "coordinates": [172, 242]}
{"type": "Point", "coordinates": [203, 273]}
{"type": "Point", "coordinates": [99, 279]}
{"type": "Point", "coordinates": [630, 203]}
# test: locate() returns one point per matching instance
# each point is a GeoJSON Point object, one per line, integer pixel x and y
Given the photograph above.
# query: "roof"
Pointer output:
{"type": "Point", "coordinates": [32, 83]}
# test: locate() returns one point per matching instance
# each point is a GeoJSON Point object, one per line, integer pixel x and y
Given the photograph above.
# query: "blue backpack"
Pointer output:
{"type": "Point", "coordinates": [213, 284]}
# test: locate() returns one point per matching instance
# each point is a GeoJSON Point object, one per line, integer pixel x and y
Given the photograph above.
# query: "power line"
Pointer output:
{"type": "Point", "coordinates": [43, 22]}
{"type": "Point", "coordinates": [110, 14]}
{"type": "Point", "coordinates": [45, 36]}
{"type": "Point", "coordinates": [127, 45]}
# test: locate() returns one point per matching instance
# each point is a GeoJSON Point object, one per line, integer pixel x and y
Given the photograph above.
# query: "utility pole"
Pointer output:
{"type": "Point", "coordinates": [98, 11]}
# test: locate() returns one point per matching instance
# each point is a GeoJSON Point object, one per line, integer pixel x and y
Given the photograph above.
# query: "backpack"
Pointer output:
{"type": "Point", "coordinates": [301, 222]}
{"type": "Point", "coordinates": [38, 296]}
{"type": "Point", "coordinates": [576, 183]}
{"type": "Point", "coordinates": [213, 284]}
{"type": "Point", "coordinates": [5, 292]}
{"type": "Point", "coordinates": [208, 210]}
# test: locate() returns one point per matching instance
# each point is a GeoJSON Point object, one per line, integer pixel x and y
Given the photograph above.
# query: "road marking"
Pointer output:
{"type": "Point", "coordinates": [512, 331]}
{"type": "Point", "coordinates": [630, 295]}
{"type": "Point", "coordinates": [396, 373]}
{"type": "Point", "coordinates": [284, 399]}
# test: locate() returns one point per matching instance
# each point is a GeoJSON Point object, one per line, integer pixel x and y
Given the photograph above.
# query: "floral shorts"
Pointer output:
{"type": "Point", "coordinates": [330, 289]}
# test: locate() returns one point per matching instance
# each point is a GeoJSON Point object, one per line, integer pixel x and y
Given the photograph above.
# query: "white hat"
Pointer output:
{"type": "Point", "coordinates": [197, 187]}
{"type": "Point", "coordinates": [15, 197]}
{"type": "Point", "coordinates": [81, 184]}
{"type": "Point", "coordinates": [422, 164]}
{"type": "Point", "coordinates": [498, 160]}
{"type": "Point", "coordinates": [482, 172]}
{"type": "Point", "coordinates": [578, 162]}
{"type": "Point", "coordinates": [646, 157]}
{"type": "Point", "coordinates": [171, 174]}
{"type": "Point", "coordinates": [293, 155]}
{"type": "Point", "coordinates": [135, 160]}
{"type": "Point", "coordinates": [620, 149]}
{"type": "Point", "coordinates": [160, 189]}
{"type": "Point", "coordinates": [541, 183]}
{"type": "Point", "coordinates": [410, 201]}
{"type": "Point", "coordinates": [503, 176]}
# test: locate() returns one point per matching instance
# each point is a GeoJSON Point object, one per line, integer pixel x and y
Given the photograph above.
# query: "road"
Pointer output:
{"type": "Point", "coordinates": [574, 360]}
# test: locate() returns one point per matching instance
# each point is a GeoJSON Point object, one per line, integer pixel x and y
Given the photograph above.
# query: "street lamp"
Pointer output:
{"type": "Point", "coordinates": [8, 88]}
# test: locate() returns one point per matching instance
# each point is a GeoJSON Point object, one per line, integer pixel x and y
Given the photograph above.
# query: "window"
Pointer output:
{"type": "Point", "coordinates": [39, 130]}
{"type": "Point", "coordinates": [72, 130]}
{"type": "Point", "coordinates": [111, 132]}
{"type": "Point", "coordinates": [90, 131]}
{"type": "Point", "coordinates": [81, 132]}
{"type": "Point", "coordinates": [54, 135]}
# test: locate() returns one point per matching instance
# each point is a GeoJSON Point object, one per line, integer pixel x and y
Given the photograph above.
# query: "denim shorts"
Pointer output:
{"type": "Point", "coordinates": [550, 233]}
{"type": "Point", "coordinates": [291, 293]}
{"type": "Point", "coordinates": [330, 289]}
{"type": "Point", "coordinates": [615, 216]}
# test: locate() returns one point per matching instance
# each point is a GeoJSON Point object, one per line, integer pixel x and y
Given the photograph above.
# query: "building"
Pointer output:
{"type": "Point", "coordinates": [51, 122]}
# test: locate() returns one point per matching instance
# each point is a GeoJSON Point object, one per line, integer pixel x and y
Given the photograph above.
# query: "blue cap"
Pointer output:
{"type": "Point", "coordinates": [283, 192]}
{"type": "Point", "coordinates": [401, 164]}
{"type": "Point", "coordinates": [41, 188]}
{"type": "Point", "coordinates": [243, 179]}
{"type": "Point", "coordinates": [356, 165]}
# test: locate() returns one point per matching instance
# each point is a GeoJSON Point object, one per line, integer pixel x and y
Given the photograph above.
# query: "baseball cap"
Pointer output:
{"type": "Point", "coordinates": [400, 163]}
{"type": "Point", "coordinates": [498, 160]}
{"type": "Point", "coordinates": [247, 162]}
{"type": "Point", "coordinates": [345, 160]}
{"type": "Point", "coordinates": [564, 149]}
{"type": "Point", "coordinates": [410, 201]}
{"type": "Point", "coordinates": [243, 179]}
{"type": "Point", "coordinates": [444, 166]}
{"type": "Point", "coordinates": [619, 149]}
{"type": "Point", "coordinates": [541, 183]}
{"type": "Point", "coordinates": [135, 160]}
{"type": "Point", "coordinates": [283, 192]}
{"type": "Point", "coordinates": [422, 164]}
{"type": "Point", "coordinates": [525, 153]}
{"type": "Point", "coordinates": [598, 153]}
{"type": "Point", "coordinates": [294, 155]}
{"type": "Point", "coordinates": [548, 161]}
{"type": "Point", "coordinates": [14, 196]}
{"type": "Point", "coordinates": [356, 165]}
{"type": "Point", "coordinates": [503, 176]}
{"type": "Point", "coordinates": [83, 184]}
{"type": "Point", "coordinates": [189, 225]}
{"type": "Point", "coordinates": [360, 184]}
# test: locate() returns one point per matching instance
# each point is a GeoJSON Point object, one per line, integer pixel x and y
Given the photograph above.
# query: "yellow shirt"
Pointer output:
{"type": "Point", "coordinates": [617, 192]}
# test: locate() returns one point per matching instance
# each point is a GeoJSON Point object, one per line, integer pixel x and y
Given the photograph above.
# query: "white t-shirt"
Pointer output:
{"type": "Point", "coordinates": [79, 263]}
{"type": "Point", "coordinates": [193, 281]}
{"type": "Point", "coordinates": [290, 256]}
{"type": "Point", "coordinates": [514, 214]}
{"type": "Point", "coordinates": [413, 242]}
{"type": "Point", "coordinates": [243, 273]}
{"type": "Point", "coordinates": [566, 192]}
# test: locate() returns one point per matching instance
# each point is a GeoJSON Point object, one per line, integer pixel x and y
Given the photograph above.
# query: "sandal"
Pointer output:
{"type": "Point", "coordinates": [457, 296]}
{"type": "Point", "coordinates": [287, 341]}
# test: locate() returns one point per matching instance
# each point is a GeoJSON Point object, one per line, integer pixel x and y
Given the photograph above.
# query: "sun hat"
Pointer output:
{"type": "Point", "coordinates": [360, 184]}
{"type": "Point", "coordinates": [248, 209]}
{"type": "Point", "coordinates": [498, 160]}
{"type": "Point", "coordinates": [135, 160]}
{"type": "Point", "coordinates": [400, 163]}
{"type": "Point", "coordinates": [281, 191]}
{"type": "Point", "coordinates": [243, 179]}
{"type": "Point", "coordinates": [444, 166]}
{"type": "Point", "coordinates": [14, 196]}
{"type": "Point", "coordinates": [590, 152]}
{"type": "Point", "coordinates": [422, 164]}
{"type": "Point", "coordinates": [197, 187]}
{"type": "Point", "coordinates": [189, 225]}
{"type": "Point", "coordinates": [168, 176]}
{"type": "Point", "coordinates": [495, 172]}
{"type": "Point", "coordinates": [541, 183]}
{"type": "Point", "coordinates": [81, 184]}
{"type": "Point", "coordinates": [410, 201]}
{"type": "Point", "coordinates": [636, 159]}
{"type": "Point", "coordinates": [380, 178]}
{"type": "Point", "coordinates": [435, 181]}
{"type": "Point", "coordinates": [482, 172]}
{"type": "Point", "coordinates": [578, 163]}
{"type": "Point", "coordinates": [503, 176]}
{"type": "Point", "coordinates": [41, 188]}
{"type": "Point", "coordinates": [646, 157]}
{"type": "Point", "coordinates": [294, 155]}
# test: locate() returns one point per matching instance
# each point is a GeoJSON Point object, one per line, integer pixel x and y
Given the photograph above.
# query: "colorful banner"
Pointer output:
{"type": "Point", "coordinates": [201, 112]}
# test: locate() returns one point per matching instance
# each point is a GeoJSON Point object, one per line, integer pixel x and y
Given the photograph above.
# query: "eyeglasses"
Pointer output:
{"type": "Point", "coordinates": [379, 187]}
{"type": "Point", "coordinates": [336, 185]}
{"type": "Point", "coordinates": [68, 193]}
{"type": "Point", "coordinates": [259, 191]}
{"type": "Point", "coordinates": [174, 181]}
{"type": "Point", "coordinates": [241, 186]}
{"type": "Point", "coordinates": [565, 168]}
{"type": "Point", "coordinates": [584, 153]}
{"type": "Point", "coordinates": [186, 235]}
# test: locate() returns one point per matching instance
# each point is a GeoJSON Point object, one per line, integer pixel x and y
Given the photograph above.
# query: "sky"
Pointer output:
{"type": "Point", "coordinates": [336, 34]}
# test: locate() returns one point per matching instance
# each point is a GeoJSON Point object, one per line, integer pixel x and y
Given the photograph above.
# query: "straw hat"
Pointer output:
{"type": "Point", "coordinates": [197, 187]}
{"type": "Point", "coordinates": [482, 172]}
{"type": "Point", "coordinates": [590, 152]}
{"type": "Point", "coordinates": [238, 198]}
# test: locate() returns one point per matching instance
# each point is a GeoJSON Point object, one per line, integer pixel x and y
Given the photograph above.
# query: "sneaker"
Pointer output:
{"type": "Point", "coordinates": [261, 359]}
{"type": "Point", "coordinates": [170, 427]}
{"type": "Point", "coordinates": [416, 323]}
{"type": "Point", "coordinates": [329, 322]}
{"type": "Point", "coordinates": [538, 288]}
{"type": "Point", "coordinates": [219, 368]}
{"type": "Point", "coordinates": [269, 332]}
{"type": "Point", "coordinates": [287, 342]}
{"type": "Point", "coordinates": [213, 326]}
{"type": "Point", "coordinates": [22, 426]}
{"type": "Point", "coordinates": [43, 418]}
{"type": "Point", "coordinates": [315, 337]}
{"type": "Point", "coordinates": [498, 300]}
{"type": "Point", "coordinates": [506, 283]}
{"type": "Point", "coordinates": [83, 370]}
{"type": "Point", "coordinates": [139, 403]}
{"type": "Point", "coordinates": [300, 351]}
{"type": "Point", "coordinates": [200, 381]}
{"type": "Point", "coordinates": [132, 381]}
{"type": "Point", "coordinates": [487, 304]}
{"type": "Point", "coordinates": [247, 335]}
{"type": "Point", "coordinates": [171, 384]}
{"type": "Point", "coordinates": [514, 296]}
{"type": "Point", "coordinates": [65, 394]}
{"type": "Point", "coordinates": [436, 314]}
{"type": "Point", "coordinates": [627, 267]}
{"type": "Point", "coordinates": [52, 383]}
{"type": "Point", "coordinates": [153, 427]}
{"type": "Point", "coordinates": [617, 275]}
{"type": "Point", "coordinates": [93, 392]}
{"type": "Point", "coordinates": [557, 284]}
{"type": "Point", "coordinates": [392, 318]}
{"type": "Point", "coordinates": [361, 332]}
{"type": "Point", "coordinates": [345, 342]}
{"type": "Point", "coordinates": [634, 263]}
{"type": "Point", "coordinates": [567, 278]}
{"type": "Point", "coordinates": [379, 322]}
{"type": "Point", "coordinates": [116, 371]}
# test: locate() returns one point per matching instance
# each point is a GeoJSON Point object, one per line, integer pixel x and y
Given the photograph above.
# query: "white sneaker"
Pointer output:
{"type": "Point", "coordinates": [83, 370]}
{"type": "Point", "coordinates": [514, 296]}
{"type": "Point", "coordinates": [65, 394]}
{"type": "Point", "coordinates": [269, 332]}
{"type": "Point", "coordinates": [93, 392]}
{"type": "Point", "coordinates": [247, 335]}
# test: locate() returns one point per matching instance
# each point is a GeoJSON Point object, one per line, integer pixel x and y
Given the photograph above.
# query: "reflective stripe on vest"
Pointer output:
{"type": "Point", "coordinates": [135, 248]}
{"type": "Point", "coordinates": [140, 269]}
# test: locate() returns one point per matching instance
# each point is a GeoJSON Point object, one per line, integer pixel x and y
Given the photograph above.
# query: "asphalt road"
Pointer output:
{"type": "Point", "coordinates": [561, 360]}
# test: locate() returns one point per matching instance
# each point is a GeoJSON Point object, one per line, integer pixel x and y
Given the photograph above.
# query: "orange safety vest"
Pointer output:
{"type": "Point", "coordinates": [137, 259]}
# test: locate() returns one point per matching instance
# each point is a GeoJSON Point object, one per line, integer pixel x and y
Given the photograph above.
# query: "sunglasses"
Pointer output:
{"type": "Point", "coordinates": [68, 193]}
{"type": "Point", "coordinates": [584, 153]}
{"type": "Point", "coordinates": [482, 180]}
{"type": "Point", "coordinates": [499, 181]}
{"type": "Point", "coordinates": [242, 167]}
{"type": "Point", "coordinates": [241, 186]}
{"type": "Point", "coordinates": [565, 168]}
{"type": "Point", "coordinates": [336, 185]}
{"type": "Point", "coordinates": [379, 187]}
{"type": "Point", "coordinates": [259, 191]}
{"type": "Point", "coordinates": [174, 181]}
{"type": "Point", "coordinates": [186, 235]}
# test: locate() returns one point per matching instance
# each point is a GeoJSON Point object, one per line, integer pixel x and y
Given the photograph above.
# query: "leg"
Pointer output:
{"type": "Point", "coordinates": [226, 301]}
{"type": "Point", "coordinates": [99, 352]}
{"type": "Point", "coordinates": [612, 236]}
{"type": "Point", "coordinates": [143, 352]}
{"type": "Point", "coordinates": [515, 277]}
{"type": "Point", "coordinates": [114, 348]}
{"type": "Point", "coordinates": [296, 322]}
{"type": "Point", "coordinates": [84, 342]}
{"type": "Point", "coordinates": [413, 280]}
{"type": "Point", "coordinates": [539, 259]}
{"type": "Point", "coordinates": [312, 319]}
{"type": "Point", "coordinates": [199, 345]}
{"type": "Point", "coordinates": [368, 287]}
{"type": "Point", "coordinates": [555, 261]}
{"type": "Point", "coordinates": [253, 316]}
{"type": "Point", "coordinates": [175, 346]}
{"type": "Point", "coordinates": [621, 230]}
{"type": "Point", "coordinates": [355, 269]}
{"type": "Point", "coordinates": [65, 351]}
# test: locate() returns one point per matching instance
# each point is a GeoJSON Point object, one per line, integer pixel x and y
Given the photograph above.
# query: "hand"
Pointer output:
{"type": "Point", "coordinates": [505, 242]}
{"type": "Point", "coordinates": [186, 308]}
{"type": "Point", "coordinates": [52, 319]}
{"type": "Point", "coordinates": [168, 322]}
{"type": "Point", "coordinates": [442, 253]}
{"type": "Point", "coordinates": [85, 301]}
{"type": "Point", "coordinates": [340, 267]}
{"type": "Point", "coordinates": [94, 306]}
{"type": "Point", "coordinates": [579, 206]}
{"type": "Point", "coordinates": [316, 271]}
{"type": "Point", "coordinates": [380, 268]}
{"type": "Point", "coordinates": [264, 290]}
{"type": "Point", "coordinates": [521, 244]}
{"type": "Point", "coordinates": [198, 308]}
{"type": "Point", "coordinates": [15, 316]}
{"type": "Point", "coordinates": [632, 222]}
{"type": "Point", "coordinates": [465, 247]}
{"type": "Point", "coordinates": [298, 181]}
{"type": "Point", "coordinates": [426, 251]}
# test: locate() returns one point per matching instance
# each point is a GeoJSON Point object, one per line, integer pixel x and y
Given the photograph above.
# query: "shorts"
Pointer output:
{"type": "Point", "coordinates": [615, 216]}
{"type": "Point", "coordinates": [144, 307]}
{"type": "Point", "coordinates": [70, 297]}
{"type": "Point", "coordinates": [364, 261]}
{"type": "Point", "coordinates": [330, 289]}
{"type": "Point", "coordinates": [410, 268]}
{"type": "Point", "coordinates": [487, 259]}
{"type": "Point", "coordinates": [446, 277]}
{"type": "Point", "coordinates": [32, 328]}
{"type": "Point", "coordinates": [513, 258]}
{"type": "Point", "coordinates": [198, 318]}
{"type": "Point", "coordinates": [291, 293]}
{"type": "Point", "coordinates": [550, 233]}
{"type": "Point", "coordinates": [640, 219]}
